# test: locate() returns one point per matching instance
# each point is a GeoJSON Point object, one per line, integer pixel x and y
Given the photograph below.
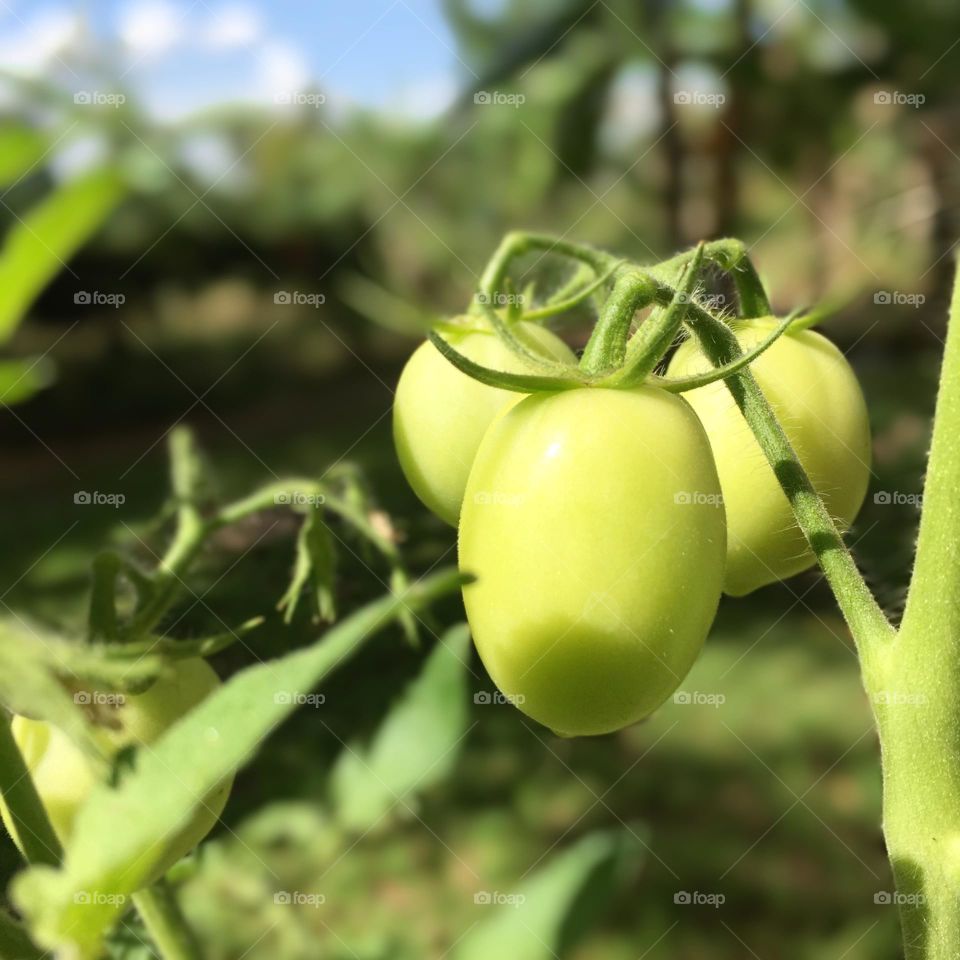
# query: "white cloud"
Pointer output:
{"type": "Point", "coordinates": [29, 46]}
{"type": "Point", "coordinates": [281, 69]}
{"type": "Point", "coordinates": [233, 25]}
{"type": "Point", "coordinates": [424, 99]}
{"type": "Point", "coordinates": [150, 27]}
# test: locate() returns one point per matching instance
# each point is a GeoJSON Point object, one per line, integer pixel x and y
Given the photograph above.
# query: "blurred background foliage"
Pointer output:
{"type": "Point", "coordinates": [260, 267]}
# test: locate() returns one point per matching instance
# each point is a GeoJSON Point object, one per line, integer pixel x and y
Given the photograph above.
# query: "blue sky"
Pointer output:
{"type": "Point", "coordinates": [180, 54]}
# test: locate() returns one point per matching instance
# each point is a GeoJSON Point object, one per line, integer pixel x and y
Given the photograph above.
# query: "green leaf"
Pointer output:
{"type": "Point", "coordinates": [41, 241]}
{"type": "Point", "coordinates": [315, 564]}
{"type": "Point", "coordinates": [117, 837]}
{"type": "Point", "coordinates": [20, 149]}
{"type": "Point", "coordinates": [20, 379]}
{"type": "Point", "coordinates": [415, 746]}
{"type": "Point", "coordinates": [29, 686]}
{"type": "Point", "coordinates": [540, 919]}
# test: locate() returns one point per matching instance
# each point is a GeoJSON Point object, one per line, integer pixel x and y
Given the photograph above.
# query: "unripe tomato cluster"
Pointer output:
{"type": "Point", "coordinates": [64, 776]}
{"type": "Point", "coordinates": [602, 524]}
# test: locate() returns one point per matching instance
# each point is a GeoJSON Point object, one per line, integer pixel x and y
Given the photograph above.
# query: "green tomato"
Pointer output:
{"type": "Point", "coordinates": [816, 396]}
{"type": "Point", "coordinates": [64, 776]}
{"type": "Point", "coordinates": [440, 414]}
{"type": "Point", "coordinates": [594, 525]}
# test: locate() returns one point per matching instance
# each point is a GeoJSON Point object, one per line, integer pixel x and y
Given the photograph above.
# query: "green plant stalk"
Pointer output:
{"type": "Point", "coordinates": [866, 620]}
{"type": "Point", "coordinates": [607, 346]}
{"type": "Point", "coordinates": [40, 843]}
{"type": "Point", "coordinates": [165, 923]}
{"type": "Point", "coordinates": [919, 714]}
{"type": "Point", "coordinates": [912, 676]}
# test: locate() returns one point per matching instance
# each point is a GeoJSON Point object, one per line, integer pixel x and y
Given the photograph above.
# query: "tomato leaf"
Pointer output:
{"type": "Point", "coordinates": [416, 744]}
{"type": "Point", "coordinates": [118, 834]}
{"type": "Point", "coordinates": [539, 919]}
{"type": "Point", "coordinates": [28, 684]}
{"type": "Point", "coordinates": [20, 149]}
{"type": "Point", "coordinates": [38, 245]}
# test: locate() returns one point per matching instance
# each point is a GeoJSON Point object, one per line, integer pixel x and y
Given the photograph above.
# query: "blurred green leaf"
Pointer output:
{"type": "Point", "coordinates": [41, 241]}
{"type": "Point", "coordinates": [116, 843]}
{"type": "Point", "coordinates": [28, 684]}
{"type": "Point", "coordinates": [20, 379]}
{"type": "Point", "coordinates": [539, 919]}
{"type": "Point", "coordinates": [20, 149]}
{"type": "Point", "coordinates": [415, 746]}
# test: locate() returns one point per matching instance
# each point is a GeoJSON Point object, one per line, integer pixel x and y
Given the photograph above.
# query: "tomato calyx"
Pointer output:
{"type": "Point", "coordinates": [613, 358]}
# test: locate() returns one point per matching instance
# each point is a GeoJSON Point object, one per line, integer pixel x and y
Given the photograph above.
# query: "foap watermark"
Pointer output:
{"type": "Point", "coordinates": [297, 298]}
{"type": "Point", "coordinates": [498, 98]}
{"type": "Point", "coordinates": [99, 698]}
{"type": "Point", "coordinates": [298, 498]}
{"type": "Point", "coordinates": [500, 299]}
{"type": "Point", "coordinates": [96, 498]}
{"type": "Point", "coordinates": [899, 298]}
{"type": "Point", "coordinates": [494, 898]}
{"type": "Point", "coordinates": [299, 898]}
{"type": "Point", "coordinates": [98, 898]}
{"type": "Point", "coordinates": [300, 699]}
{"type": "Point", "coordinates": [497, 499]}
{"type": "Point", "coordinates": [898, 98]}
{"type": "Point", "coordinates": [98, 98]}
{"type": "Point", "coordinates": [899, 698]}
{"type": "Point", "coordinates": [888, 898]}
{"type": "Point", "coordinates": [696, 898]}
{"type": "Point", "coordinates": [299, 98]}
{"type": "Point", "coordinates": [699, 98]}
{"type": "Point", "coordinates": [897, 498]}
{"type": "Point", "coordinates": [696, 698]}
{"type": "Point", "coordinates": [496, 698]}
{"type": "Point", "coordinates": [99, 298]}
{"type": "Point", "coordinates": [697, 498]}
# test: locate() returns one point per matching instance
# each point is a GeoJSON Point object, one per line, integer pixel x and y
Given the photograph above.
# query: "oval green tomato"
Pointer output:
{"type": "Point", "coordinates": [815, 395]}
{"type": "Point", "coordinates": [64, 776]}
{"type": "Point", "coordinates": [440, 414]}
{"type": "Point", "coordinates": [594, 525]}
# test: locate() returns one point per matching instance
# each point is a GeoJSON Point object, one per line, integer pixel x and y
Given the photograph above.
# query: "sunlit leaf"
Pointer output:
{"type": "Point", "coordinates": [415, 746]}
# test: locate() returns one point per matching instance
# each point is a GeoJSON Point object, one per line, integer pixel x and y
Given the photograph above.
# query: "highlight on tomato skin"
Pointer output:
{"type": "Point", "coordinates": [64, 775]}
{"type": "Point", "coordinates": [594, 525]}
{"type": "Point", "coordinates": [440, 414]}
{"type": "Point", "coordinates": [817, 398]}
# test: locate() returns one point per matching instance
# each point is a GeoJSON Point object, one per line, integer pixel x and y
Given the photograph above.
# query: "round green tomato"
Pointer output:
{"type": "Point", "coordinates": [594, 525]}
{"type": "Point", "coordinates": [440, 414]}
{"type": "Point", "coordinates": [64, 776]}
{"type": "Point", "coordinates": [816, 396]}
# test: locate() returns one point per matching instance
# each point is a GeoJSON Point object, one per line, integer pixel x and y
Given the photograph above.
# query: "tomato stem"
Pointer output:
{"type": "Point", "coordinates": [518, 242]}
{"type": "Point", "coordinates": [607, 347]}
{"type": "Point", "coordinates": [731, 256]}
{"type": "Point", "coordinates": [919, 714]}
{"type": "Point", "coordinates": [867, 621]}
{"type": "Point", "coordinates": [166, 924]}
